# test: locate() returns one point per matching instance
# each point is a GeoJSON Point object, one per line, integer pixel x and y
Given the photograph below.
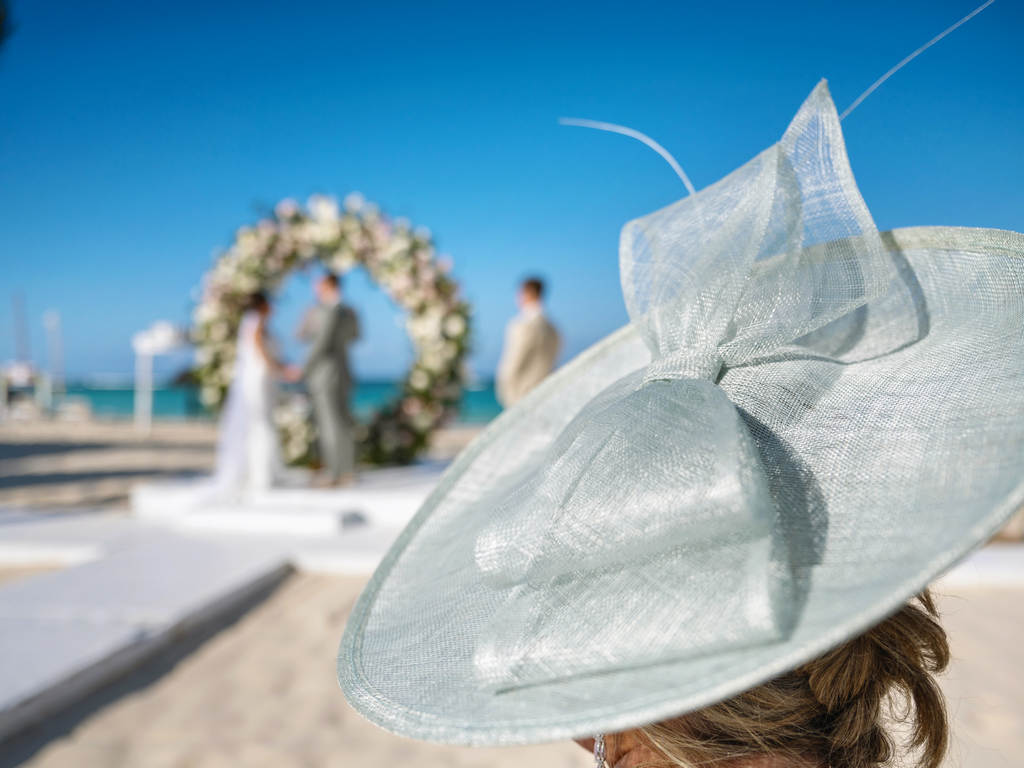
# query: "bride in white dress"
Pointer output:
{"type": "Point", "coordinates": [248, 454]}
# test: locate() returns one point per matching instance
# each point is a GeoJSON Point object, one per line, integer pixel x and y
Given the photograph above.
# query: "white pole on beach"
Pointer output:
{"type": "Point", "coordinates": [143, 391]}
{"type": "Point", "coordinates": [55, 348]}
{"type": "Point", "coordinates": [158, 339]}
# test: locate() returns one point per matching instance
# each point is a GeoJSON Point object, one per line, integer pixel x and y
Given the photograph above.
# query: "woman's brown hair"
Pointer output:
{"type": "Point", "coordinates": [840, 710]}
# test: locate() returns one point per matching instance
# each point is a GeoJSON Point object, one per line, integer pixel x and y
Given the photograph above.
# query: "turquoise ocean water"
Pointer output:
{"type": "Point", "coordinates": [479, 405]}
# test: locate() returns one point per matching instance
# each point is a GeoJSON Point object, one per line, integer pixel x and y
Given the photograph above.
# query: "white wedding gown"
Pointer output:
{"type": "Point", "coordinates": [248, 463]}
{"type": "Point", "coordinates": [248, 456]}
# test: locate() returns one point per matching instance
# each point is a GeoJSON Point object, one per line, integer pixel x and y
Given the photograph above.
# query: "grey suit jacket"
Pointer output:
{"type": "Point", "coordinates": [327, 363]}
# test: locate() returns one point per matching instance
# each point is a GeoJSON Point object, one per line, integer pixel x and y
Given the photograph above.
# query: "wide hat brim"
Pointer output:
{"type": "Point", "coordinates": [806, 422]}
{"type": "Point", "coordinates": [410, 677]}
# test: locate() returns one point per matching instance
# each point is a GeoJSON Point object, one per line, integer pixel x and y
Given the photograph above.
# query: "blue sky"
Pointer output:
{"type": "Point", "coordinates": [136, 137]}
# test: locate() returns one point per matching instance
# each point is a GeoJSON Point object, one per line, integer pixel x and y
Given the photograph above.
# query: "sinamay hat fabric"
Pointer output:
{"type": "Point", "coordinates": [804, 424]}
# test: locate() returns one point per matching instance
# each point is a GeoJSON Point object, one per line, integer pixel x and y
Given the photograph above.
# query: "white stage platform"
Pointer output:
{"type": "Point", "coordinates": [380, 499]}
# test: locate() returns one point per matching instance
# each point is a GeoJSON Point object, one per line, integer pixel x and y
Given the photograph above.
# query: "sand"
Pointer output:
{"type": "Point", "coordinates": [261, 692]}
{"type": "Point", "coordinates": [94, 464]}
{"type": "Point", "coordinates": [985, 682]}
{"type": "Point", "coordinates": [9, 573]}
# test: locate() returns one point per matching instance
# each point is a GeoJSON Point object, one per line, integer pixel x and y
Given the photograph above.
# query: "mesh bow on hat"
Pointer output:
{"type": "Point", "coordinates": [805, 423]}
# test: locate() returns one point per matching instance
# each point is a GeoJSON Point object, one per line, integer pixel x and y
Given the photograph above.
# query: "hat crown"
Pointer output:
{"type": "Point", "coordinates": [775, 250]}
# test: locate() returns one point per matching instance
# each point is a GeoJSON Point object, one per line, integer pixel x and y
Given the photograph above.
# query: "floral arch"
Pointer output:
{"type": "Point", "coordinates": [400, 259]}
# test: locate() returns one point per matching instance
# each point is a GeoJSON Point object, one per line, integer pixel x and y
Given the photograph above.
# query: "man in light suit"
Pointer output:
{"type": "Point", "coordinates": [531, 346]}
{"type": "Point", "coordinates": [333, 326]}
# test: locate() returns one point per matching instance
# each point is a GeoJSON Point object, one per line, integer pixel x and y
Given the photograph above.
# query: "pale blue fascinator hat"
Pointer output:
{"type": "Point", "coordinates": [806, 422]}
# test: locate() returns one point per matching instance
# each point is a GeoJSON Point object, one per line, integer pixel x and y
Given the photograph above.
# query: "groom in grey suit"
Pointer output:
{"type": "Point", "coordinates": [329, 379]}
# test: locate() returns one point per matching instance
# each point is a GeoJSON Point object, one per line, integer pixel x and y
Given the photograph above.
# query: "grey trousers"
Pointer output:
{"type": "Point", "coordinates": [336, 426]}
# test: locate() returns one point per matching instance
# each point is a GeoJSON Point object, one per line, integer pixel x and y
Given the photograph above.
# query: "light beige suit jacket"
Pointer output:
{"type": "Point", "coordinates": [531, 348]}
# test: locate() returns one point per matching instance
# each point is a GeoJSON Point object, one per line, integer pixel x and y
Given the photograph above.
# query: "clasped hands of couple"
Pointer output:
{"type": "Point", "coordinates": [290, 373]}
